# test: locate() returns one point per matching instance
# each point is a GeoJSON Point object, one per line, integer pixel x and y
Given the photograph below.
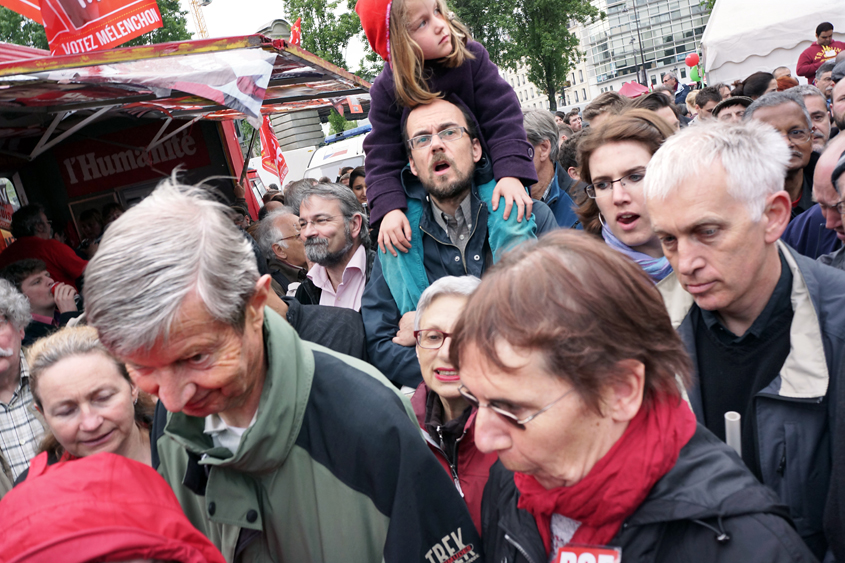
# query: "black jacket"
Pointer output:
{"type": "Point", "coordinates": [707, 508]}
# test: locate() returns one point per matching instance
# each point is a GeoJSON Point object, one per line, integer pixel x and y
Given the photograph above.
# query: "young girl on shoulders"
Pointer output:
{"type": "Point", "coordinates": [430, 56]}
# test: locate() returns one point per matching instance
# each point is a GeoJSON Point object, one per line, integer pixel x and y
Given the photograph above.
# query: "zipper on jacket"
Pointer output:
{"type": "Point", "coordinates": [519, 548]}
{"type": "Point", "coordinates": [782, 464]}
{"type": "Point", "coordinates": [452, 467]}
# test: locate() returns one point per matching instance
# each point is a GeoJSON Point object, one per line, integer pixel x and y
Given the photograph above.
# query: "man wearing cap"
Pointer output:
{"type": "Point", "coordinates": [731, 110]}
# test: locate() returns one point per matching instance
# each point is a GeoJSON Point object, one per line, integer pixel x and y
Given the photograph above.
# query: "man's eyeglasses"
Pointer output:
{"type": "Point", "coordinates": [431, 338]}
{"type": "Point", "coordinates": [603, 186]}
{"type": "Point", "coordinates": [318, 222]}
{"type": "Point", "coordinates": [839, 207]}
{"type": "Point", "coordinates": [504, 413]}
{"type": "Point", "coordinates": [447, 135]}
{"type": "Point", "coordinates": [799, 135]}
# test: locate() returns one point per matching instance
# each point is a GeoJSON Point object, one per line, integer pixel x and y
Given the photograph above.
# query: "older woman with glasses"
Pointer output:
{"type": "Point", "coordinates": [578, 394]}
{"type": "Point", "coordinates": [613, 161]}
{"type": "Point", "coordinates": [445, 417]}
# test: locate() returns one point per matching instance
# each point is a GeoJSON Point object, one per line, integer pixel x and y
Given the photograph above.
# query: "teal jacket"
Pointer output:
{"type": "Point", "coordinates": [333, 469]}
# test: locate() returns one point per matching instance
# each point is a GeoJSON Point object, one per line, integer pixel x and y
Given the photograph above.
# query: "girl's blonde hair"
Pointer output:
{"type": "Point", "coordinates": [66, 343]}
{"type": "Point", "coordinates": [406, 55]}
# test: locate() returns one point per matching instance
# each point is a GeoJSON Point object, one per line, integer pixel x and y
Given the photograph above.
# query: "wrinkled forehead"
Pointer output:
{"type": "Point", "coordinates": [433, 117]}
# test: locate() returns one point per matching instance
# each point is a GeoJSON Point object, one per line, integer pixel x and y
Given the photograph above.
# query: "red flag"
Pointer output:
{"type": "Point", "coordinates": [28, 8]}
{"type": "Point", "coordinates": [272, 158]}
{"type": "Point", "coordinates": [296, 33]}
{"type": "Point", "coordinates": [79, 26]}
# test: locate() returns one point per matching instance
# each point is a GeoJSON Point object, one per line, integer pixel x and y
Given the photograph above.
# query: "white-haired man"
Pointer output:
{"type": "Point", "coordinates": [277, 449]}
{"type": "Point", "coordinates": [20, 429]}
{"type": "Point", "coordinates": [762, 323]}
{"type": "Point", "coordinates": [279, 239]}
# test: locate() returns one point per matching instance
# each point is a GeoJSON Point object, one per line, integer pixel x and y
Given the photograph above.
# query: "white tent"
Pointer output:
{"type": "Point", "coordinates": [746, 36]}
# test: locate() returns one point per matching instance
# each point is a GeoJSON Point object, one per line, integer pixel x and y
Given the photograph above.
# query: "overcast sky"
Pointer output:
{"type": "Point", "coordinates": [226, 18]}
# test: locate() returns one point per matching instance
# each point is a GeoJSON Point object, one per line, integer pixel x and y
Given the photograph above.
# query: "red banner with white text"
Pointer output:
{"type": "Point", "coordinates": [79, 26]}
{"type": "Point", "coordinates": [272, 158]}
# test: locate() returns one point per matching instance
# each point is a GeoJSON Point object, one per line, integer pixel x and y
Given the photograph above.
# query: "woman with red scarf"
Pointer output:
{"type": "Point", "coordinates": [577, 389]}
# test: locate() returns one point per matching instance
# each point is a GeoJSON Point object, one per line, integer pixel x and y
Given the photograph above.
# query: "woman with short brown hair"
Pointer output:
{"type": "Point", "coordinates": [613, 161]}
{"type": "Point", "coordinates": [578, 392]}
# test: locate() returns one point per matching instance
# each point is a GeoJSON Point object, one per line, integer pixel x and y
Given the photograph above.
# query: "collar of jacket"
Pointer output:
{"type": "Point", "coordinates": [705, 483]}
{"type": "Point", "coordinates": [561, 183]}
{"type": "Point", "coordinates": [804, 374]}
{"type": "Point", "coordinates": [266, 444]}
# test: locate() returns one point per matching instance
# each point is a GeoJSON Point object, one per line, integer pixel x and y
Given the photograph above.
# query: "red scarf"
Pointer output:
{"type": "Point", "coordinates": [619, 482]}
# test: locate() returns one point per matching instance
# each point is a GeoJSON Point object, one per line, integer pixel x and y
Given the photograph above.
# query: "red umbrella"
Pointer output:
{"type": "Point", "coordinates": [633, 89]}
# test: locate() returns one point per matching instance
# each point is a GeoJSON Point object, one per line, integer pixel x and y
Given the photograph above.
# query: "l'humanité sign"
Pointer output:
{"type": "Point", "coordinates": [95, 165]}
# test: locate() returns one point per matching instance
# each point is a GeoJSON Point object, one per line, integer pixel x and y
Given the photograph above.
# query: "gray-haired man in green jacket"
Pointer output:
{"type": "Point", "coordinates": [278, 449]}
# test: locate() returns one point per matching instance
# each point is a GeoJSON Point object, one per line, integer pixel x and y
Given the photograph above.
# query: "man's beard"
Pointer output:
{"type": "Point", "coordinates": [451, 191]}
{"type": "Point", "coordinates": [317, 249]}
{"type": "Point", "coordinates": [6, 352]}
{"type": "Point", "coordinates": [839, 120]}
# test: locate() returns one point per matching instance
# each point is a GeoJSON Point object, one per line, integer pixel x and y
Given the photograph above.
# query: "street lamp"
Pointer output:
{"type": "Point", "coordinates": [643, 81]}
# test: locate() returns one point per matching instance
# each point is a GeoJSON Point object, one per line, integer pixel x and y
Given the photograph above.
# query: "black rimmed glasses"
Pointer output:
{"type": "Point", "coordinates": [504, 413]}
{"type": "Point", "coordinates": [447, 135]}
{"type": "Point", "coordinates": [605, 186]}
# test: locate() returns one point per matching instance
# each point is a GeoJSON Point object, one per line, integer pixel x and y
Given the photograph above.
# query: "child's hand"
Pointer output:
{"type": "Point", "coordinates": [514, 192]}
{"type": "Point", "coordinates": [395, 231]}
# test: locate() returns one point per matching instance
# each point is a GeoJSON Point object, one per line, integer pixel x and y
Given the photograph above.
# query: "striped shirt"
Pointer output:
{"type": "Point", "coordinates": [20, 429]}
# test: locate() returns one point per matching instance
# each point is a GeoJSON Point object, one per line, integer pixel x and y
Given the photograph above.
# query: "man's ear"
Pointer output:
{"type": "Point", "coordinates": [777, 213]}
{"type": "Point", "coordinates": [255, 305]}
{"type": "Point", "coordinates": [476, 150]}
{"type": "Point", "coordinates": [545, 148]}
{"type": "Point", "coordinates": [279, 251]}
{"type": "Point", "coordinates": [355, 229]}
{"type": "Point", "coordinates": [413, 166]}
{"type": "Point", "coordinates": [573, 173]}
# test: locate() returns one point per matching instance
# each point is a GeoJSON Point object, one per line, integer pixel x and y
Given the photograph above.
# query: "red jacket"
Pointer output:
{"type": "Point", "coordinates": [813, 57]}
{"type": "Point", "coordinates": [100, 508]}
{"type": "Point", "coordinates": [62, 262]}
{"type": "Point", "coordinates": [473, 467]}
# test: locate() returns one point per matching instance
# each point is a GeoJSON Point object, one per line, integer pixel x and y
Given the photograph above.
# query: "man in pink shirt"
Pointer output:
{"type": "Point", "coordinates": [334, 230]}
{"type": "Point", "coordinates": [824, 49]}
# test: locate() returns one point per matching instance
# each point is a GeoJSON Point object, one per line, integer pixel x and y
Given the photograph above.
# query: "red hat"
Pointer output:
{"type": "Point", "coordinates": [375, 18]}
{"type": "Point", "coordinates": [100, 508]}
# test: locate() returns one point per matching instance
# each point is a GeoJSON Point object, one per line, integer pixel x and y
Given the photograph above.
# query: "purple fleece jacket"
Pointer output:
{"type": "Point", "coordinates": [477, 86]}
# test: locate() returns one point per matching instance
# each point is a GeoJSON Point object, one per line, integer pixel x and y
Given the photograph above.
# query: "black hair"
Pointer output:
{"type": "Point", "coordinates": [822, 27]}
{"type": "Point", "coordinates": [755, 85]}
{"type": "Point", "coordinates": [25, 220]}
{"type": "Point", "coordinates": [707, 94]}
{"type": "Point", "coordinates": [18, 271]}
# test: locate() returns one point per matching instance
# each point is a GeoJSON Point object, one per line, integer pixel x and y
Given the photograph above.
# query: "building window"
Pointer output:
{"type": "Point", "coordinates": [584, 94]}
{"type": "Point", "coordinates": [573, 78]}
{"type": "Point", "coordinates": [653, 80]}
{"type": "Point", "coordinates": [683, 73]}
{"type": "Point", "coordinates": [576, 97]}
{"type": "Point", "coordinates": [581, 75]}
{"type": "Point", "coordinates": [611, 87]}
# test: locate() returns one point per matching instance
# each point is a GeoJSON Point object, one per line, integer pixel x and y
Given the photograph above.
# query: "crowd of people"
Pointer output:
{"type": "Point", "coordinates": [508, 336]}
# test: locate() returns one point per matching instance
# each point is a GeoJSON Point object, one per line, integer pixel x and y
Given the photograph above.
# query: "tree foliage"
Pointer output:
{"type": "Point", "coordinates": [325, 32]}
{"type": "Point", "coordinates": [339, 124]}
{"type": "Point", "coordinates": [15, 28]}
{"type": "Point", "coordinates": [531, 32]}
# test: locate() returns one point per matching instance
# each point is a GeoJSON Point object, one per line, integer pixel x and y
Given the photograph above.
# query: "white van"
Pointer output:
{"type": "Point", "coordinates": [328, 160]}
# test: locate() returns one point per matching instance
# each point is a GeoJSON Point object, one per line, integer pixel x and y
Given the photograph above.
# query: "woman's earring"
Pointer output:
{"type": "Point", "coordinates": [601, 220]}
